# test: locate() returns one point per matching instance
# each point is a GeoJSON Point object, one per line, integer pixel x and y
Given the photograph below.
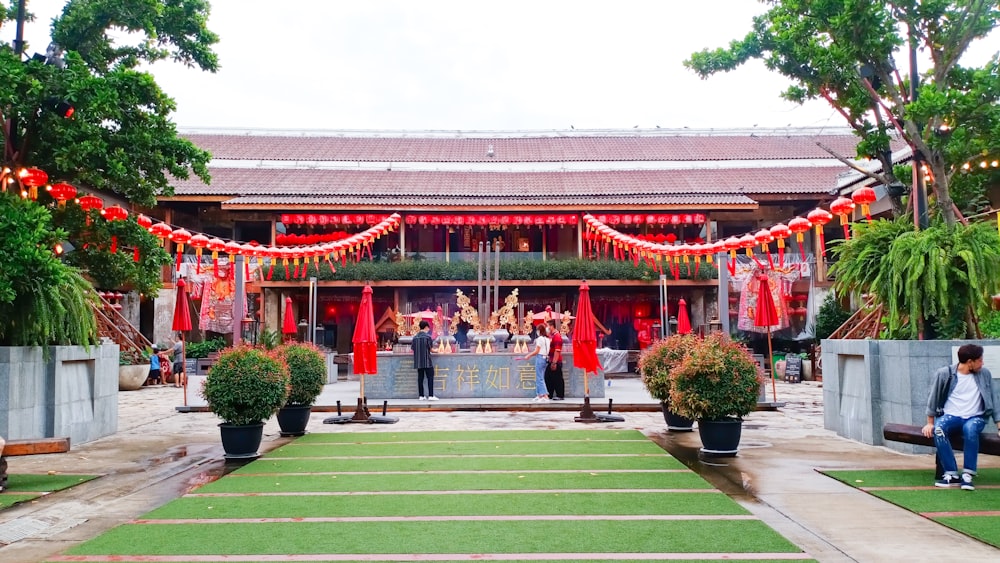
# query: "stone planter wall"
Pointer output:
{"type": "Point", "coordinates": [74, 394]}
{"type": "Point", "coordinates": [867, 383]}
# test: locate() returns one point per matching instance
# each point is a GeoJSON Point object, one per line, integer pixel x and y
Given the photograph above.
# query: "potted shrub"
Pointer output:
{"type": "Point", "coordinates": [133, 369]}
{"type": "Point", "coordinates": [655, 365]}
{"type": "Point", "coordinates": [717, 384]}
{"type": "Point", "coordinates": [244, 388]}
{"type": "Point", "coordinates": [307, 375]}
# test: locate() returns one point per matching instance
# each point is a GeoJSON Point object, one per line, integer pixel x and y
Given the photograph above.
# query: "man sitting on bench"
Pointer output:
{"type": "Point", "coordinates": [961, 397]}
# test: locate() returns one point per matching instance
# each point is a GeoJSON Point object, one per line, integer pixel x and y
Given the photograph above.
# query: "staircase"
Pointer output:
{"type": "Point", "coordinates": [111, 324]}
{"type": "Point", "coordinates": [866, 322]}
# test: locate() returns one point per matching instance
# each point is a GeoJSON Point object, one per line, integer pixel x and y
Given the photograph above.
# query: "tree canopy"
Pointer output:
{"type": "Point", "coordinates": [848, 52]}
{"type": "Point", "coordinates": [120, 141]}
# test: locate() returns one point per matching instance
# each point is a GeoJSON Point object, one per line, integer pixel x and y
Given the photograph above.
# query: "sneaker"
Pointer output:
{"type": "Point", "coordinates": [967, 482]}
{"type": "Point", "coordinates": [543, 400]}
{"type": "Point", "coordinates": [421, 398]}
{"type": "Point", "coordinates": [558, 399]}
{"type": "Point", "coordinates": [432, 398]}
{"type": "Point", "coordinates": [948, 480]}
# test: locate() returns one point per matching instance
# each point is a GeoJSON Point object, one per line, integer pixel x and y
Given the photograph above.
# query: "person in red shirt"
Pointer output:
{"type": "Point", "coordinates": [554, 371]}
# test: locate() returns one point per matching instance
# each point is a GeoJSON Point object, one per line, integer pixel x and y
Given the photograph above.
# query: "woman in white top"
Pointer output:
{"type": "Point", "coordinates": [541, 355]}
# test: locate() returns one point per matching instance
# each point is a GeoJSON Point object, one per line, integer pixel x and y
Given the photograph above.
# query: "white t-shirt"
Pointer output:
{"type": "Point", "coordinates": [543, 343]}
{"type": "Point", "coordinates": [965, 400]}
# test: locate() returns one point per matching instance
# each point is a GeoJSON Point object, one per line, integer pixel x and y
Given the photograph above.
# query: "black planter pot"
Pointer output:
{"type": "Point", "coordinates": [241, 441]}
{"type": "Point", "coordinates": [720, 438]}
{"type": "Point", "coordinates": [293, 419]}
{"type": "Point", "coordinates": [676, 422]}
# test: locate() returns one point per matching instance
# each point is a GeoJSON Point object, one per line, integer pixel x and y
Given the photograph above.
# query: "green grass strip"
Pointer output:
{"type": "Point", "coordinates": [944, 500]}
{"type": "Point", "coordinates": [744, 536]}
{"type": "Point", "coordinates": [467, 463]}
{"type": "Point", "coordinates": [8, 500]}
{"type": "Point", "coordinates": [466, 448]}
{"type": "Point", "coordinates": [464, 435]}
{"type": "Point", "coordinates": [624, 558]}
{"type": "Point", "coordinates": [903, 477]}
{"type": "Point", "coordinates": [17, 483]}
{"type": "Point", "coordinates": [453, 482]}
{"type": "Point", "coordinates": [983, 528]}
{"type": "Point", "coordinates": [449, 505]}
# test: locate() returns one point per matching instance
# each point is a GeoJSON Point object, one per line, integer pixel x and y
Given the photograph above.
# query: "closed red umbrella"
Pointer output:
{"type": "Point", "coordinates": [365, 349]}
{"type": "Point", "coordinates": [683, 321]}
{"type": "Point", "coordinates": [288, 326]}
{"type": "Point", "coordinates": [182, 322]}
{"type": "Point", "coordinates": [585, 349]}
{"type": "Point", "coordinates": [766, 315]}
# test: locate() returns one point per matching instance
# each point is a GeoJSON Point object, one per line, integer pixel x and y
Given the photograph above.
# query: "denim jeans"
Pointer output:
{"type": "Point", "coordinates": [541, 362]}
{"type": "Point", "coordinates": [971, 428]}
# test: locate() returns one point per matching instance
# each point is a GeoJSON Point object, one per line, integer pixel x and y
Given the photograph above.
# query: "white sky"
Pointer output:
{"type": "Point", "coordinates": [466, 65]}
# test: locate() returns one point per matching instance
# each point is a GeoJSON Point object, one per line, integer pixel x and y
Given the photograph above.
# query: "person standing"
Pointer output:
{"type": "Point", "coordinates": [961, 397]}
{"type": "Point", "coordinates": [155, 376]}
{"type": "Point", "coordinates": [178, 363]}
{"type": "Point", "coordinates": [541, 355]}
{"type": "Point", "coordinates": [554, 382]}
{"type": "Point", "coordinates": [421, 346]}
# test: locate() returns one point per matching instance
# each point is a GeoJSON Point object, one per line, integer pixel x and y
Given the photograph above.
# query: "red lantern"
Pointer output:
{"type": "Point", "coordinates": [842, 207]}
{"type": "Point", "coordinates": [161, 230]}
{"type": "Point", "coordinates": [864, 196]}
{"type": "Point", "coordinates": [800, 225]}
{"type": "Point", "coordinates": [62, 192]}
{"type": "Point", "coordinates": [89, 202]}
{"type": "Point", "coordinates": [32, 178]}
{"type": "Point", "coordinates": [819, 217]}
{"type": "Point", "coordinates": [143, 221]}
{"type": "Point", "coordinates": [216, 245]}
{"type": "Point", "coordinates": [198, 242]}
{"type": "Point", "coordinates": [115, 213]}
{"type": "Point", "coordinates": [764, 238]}
{"type": "Point", "coordinates": [731, 244]}
{"type": "Point", "coordinates": [180, 236]}
{"type": "Point", "coordinates": [747, 242]}
{"type": "Point", "coordinates": [780, 232]}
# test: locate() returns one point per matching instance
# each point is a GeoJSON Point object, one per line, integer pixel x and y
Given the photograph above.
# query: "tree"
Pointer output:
{"type": "Point", "coordinates": [846, 52]}
{"type": "Point", "coordinates": [120, 140]}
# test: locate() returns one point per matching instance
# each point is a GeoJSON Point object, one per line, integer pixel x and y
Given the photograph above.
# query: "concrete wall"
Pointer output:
{"type": "Point", "coordinates": [74, 393]}
{"type": "Point", "coordinates": [868, 383]}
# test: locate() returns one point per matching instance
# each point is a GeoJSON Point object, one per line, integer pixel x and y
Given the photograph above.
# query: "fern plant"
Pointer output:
{"type": "Point", "coordinates": [931, 281]}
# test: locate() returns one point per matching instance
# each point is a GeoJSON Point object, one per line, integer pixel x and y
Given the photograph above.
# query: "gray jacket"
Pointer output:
{"type": "Point", "coordinates": [944, 383]}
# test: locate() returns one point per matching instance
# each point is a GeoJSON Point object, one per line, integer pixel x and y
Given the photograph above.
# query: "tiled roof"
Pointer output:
{"type": "Point", "coordinates": [806, 182]}
{"type": "Point", "coordinates": [410, 202]}
{"type": "Point", "coordinates": [603, 146]}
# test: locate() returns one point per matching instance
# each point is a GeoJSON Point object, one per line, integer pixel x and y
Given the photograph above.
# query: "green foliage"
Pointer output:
{"type": "Point", "coordinates": [121, 138]}
{"type": "Point", "coordinates": [42, 300]}
{"type": "Point", "coordinates": [717, 379]}
{"type": "Point", "coordinates": [834, 50]}
{"type": "Point", "coordinates": [269, 339]}
{"type": "Point", "coordinates": [830, 317]}
{"type": "Point", "coordinates": [940, 273]}
{"type": "Point", "coordinates": [203, 349]}
{"type": "Point", "coordinates": [989, 324]}
{"type": "Point", "coordinates": [659, 358]}
{"type": "Point", "coordinates": [573, 269]}
{"type": "Point", "coordinates": [246, 385]}
{"type": "Point", "coordinates": [307, 370]}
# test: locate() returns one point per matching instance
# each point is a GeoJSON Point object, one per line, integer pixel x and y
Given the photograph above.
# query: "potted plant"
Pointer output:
{"type": "Point", "coordinates": [133, 369]}
{"type": "Point", "coordinates": [655, 364]}
{"type": "Point", "coordinates": [717, 384]}
{"type": "Point", "coordinates": [244, 388]}
{"type": "Point", "coordinates": [307, 375]}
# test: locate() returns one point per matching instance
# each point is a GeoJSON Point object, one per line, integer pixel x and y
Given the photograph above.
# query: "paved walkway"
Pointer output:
{"type": "Point", "coordinates": [159, 454]}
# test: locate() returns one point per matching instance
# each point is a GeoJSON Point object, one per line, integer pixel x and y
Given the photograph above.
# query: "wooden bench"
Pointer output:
{"type": "Point", "coordinates": [909, 434]}
{"type": "Point", "coordinates": [29, 447]}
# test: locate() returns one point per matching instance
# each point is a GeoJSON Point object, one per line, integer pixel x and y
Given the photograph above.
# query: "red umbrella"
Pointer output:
{"type": "Point", "coordinates": [182, 322]}
{"type": "Point", "coordinates": [683, 322]}
{"type": "Point", "coordinates": [288, 326]}
{"type": "Point", "coordinates": [766, 315]}
{"type": "Point", "coordinates": [365, 347]}
{"type": "Point", "coordinates": [585, 348]}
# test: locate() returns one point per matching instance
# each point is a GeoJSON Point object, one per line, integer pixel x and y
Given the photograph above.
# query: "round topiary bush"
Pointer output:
{"type": "Point", "coordinates": [659, 358]}
{"type": "Point", "coordinates": [246, 385]}
{"type": "Point", "coordinates": [718, 379]}
{"type": "Point", "coordinates": [306, 369]}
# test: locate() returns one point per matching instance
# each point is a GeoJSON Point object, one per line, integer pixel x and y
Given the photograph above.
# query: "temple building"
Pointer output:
{"type": "Point", "coordinates": [500, 204]}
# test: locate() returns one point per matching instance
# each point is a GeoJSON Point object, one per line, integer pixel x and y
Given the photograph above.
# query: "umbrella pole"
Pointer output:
{"type": "Point", "coordinates": [184, 367]}
{"type": "Point", "coordinates": [586, 413]}
{"type": "Point", "coordinates": [770, 359]}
